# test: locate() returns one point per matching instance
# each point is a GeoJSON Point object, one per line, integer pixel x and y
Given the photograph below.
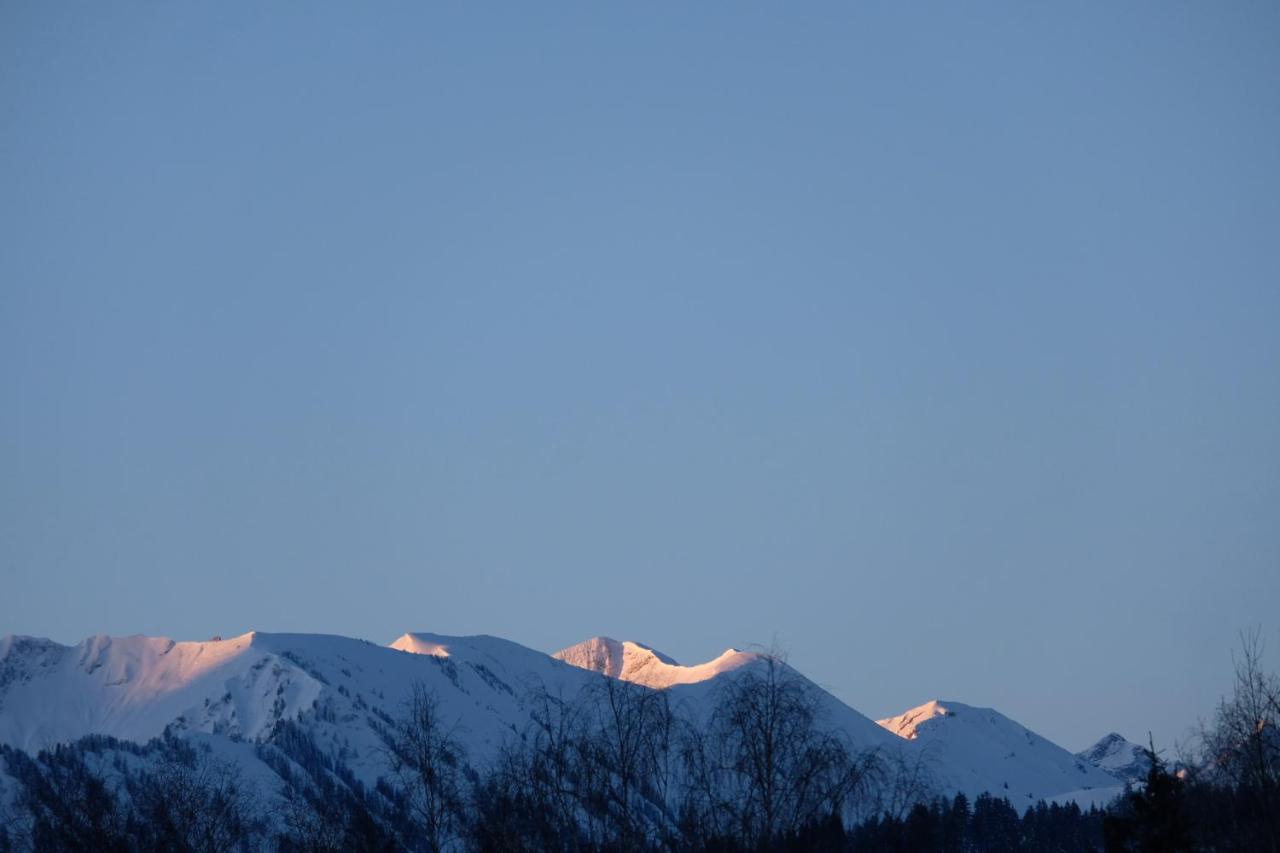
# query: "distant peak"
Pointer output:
{"type": "Point", "coordinates": [1110, 744]}
{"type": "Point", "coordinates": [1119, 756]}
{"type": "Point", "coordinates": [641, 664]}
{"type": "Point", "coordinates": [907, 724]}
{"type": "Point", "coordinates": [421, 644]}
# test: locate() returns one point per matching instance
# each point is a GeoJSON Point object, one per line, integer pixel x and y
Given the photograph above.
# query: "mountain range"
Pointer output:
{"type": "Point", "coordinates": [341, 692]}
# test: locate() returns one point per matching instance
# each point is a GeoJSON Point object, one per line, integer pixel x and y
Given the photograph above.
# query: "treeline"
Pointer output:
{"type": "Point", "coordinates": [990, 824]}
{"type": "Point", "coordinates": [101, 794]}
{"type": "Point", "coordinates": [618, 769]}
{"type": "Point", "coordinates": [1173, 810]}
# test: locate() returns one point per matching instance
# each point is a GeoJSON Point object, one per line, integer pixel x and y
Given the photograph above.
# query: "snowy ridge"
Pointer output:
{"type": "Point", "coordinates": [341, 693]}
{"type": "Point", "coordinates": [979, 749]}
{"type": "Point", "coordinates": [133, 687]}
{"type": "Point", "coordinates": [907, 724]}
{"type": "Point", "coordinates": [693, 687]}
{"type": "Point", "coordinates": [640, 664]}
{"type": "Point", "coordinates": [137, 688]}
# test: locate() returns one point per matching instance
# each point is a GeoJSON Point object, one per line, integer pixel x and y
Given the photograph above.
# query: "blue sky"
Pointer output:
{"type": "Point", "coordinates": [938, 343]}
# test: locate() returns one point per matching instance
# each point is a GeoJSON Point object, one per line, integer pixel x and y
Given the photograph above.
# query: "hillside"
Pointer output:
{"type": "Point", "coordinates": [979, 749]}
{"type": "Point", "coordinates": [342, 693]}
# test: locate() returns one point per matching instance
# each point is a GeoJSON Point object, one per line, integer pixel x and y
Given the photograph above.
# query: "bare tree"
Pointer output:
{"type": "Point", "coordinates": [428, 759]}
{"type": "Point", "coordinates": [1241, 748]}
{"type": "Point", "coordinates": [702, 817]}
{"type": "Point", "coordinates": [595, 772]}
{"type": "Point", "coordinates": [554, 759]}
{"type": "Point", "coordinates": [765, 767]}
{"type": "Point", "coordinates": [626, 761]}
{"type": "Point", "coordinates": [529, 799]}
{"type": "Point", "coordinates": [310, 827]}
{"type": "Point", "coordinates": [331, 819]}
{"type": "Point", "coordinates": [68, 806]}
{"type": "Point", "coordinates": [905, 778]}
{"type": "Point", "coordinates": [193, 802]}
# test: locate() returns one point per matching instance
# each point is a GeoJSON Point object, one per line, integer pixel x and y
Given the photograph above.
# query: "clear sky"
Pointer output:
{"type": "Point", "coordinates": [942, 344]}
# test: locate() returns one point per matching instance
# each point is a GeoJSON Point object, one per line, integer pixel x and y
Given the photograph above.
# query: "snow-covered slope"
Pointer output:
{"type": "Point", "coordinates": [1122, 758]}
{"type": "Point", "coordinates": [640, 664]}
{"type": "Point", "coordinates": [979, 749]}
{"type": "Point", "coordinates": [340, 693]}
{"type": "Point", "coordinates": [286, 709]}
{"type": "Point", "coordinates": [136, 688]}
{"type": "Point", "coordinates": [132, 687]}
{"type": "Point", "coordinates": [693, 688]}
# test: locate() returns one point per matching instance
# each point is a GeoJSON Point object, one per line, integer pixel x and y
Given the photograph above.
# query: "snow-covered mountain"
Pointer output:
{"type": "Point", "coordinates": [692, 687]}
{"type": "Point", "coordinates": [339, 694]}
{"type": "Point", "coordinates": [1122, 758]}
{"type": "Point", "coordinates": [979, 749]}
{"type": "Point", "coordinates": [639, 664]}
{"type": "Point", "coordinates": [136, 688]}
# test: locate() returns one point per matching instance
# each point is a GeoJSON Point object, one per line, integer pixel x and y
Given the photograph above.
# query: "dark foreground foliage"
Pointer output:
{"type": "Point", "coordinates": [191, 802]}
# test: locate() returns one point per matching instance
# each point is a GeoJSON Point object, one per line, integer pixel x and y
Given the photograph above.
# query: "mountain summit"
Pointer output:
{"type": "Point", "coordinates": [980, 749]}
{"type": "Point", "coordinates": [1118, 756]}
{"type": "Point", "coordinates": [907, 725]}
{"type": "Point", "coordinates": [250, 697]}
{"type": "Point", "coordinates": [640, 664]}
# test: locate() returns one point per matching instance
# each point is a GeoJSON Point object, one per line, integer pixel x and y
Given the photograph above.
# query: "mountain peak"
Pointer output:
{"type": "Point", "coordinates": [1119, 756]}
{"type": "Point", "coordinates": [421, 644]}
{"type": "Point", "coordinates": [640, 664]}
{"type": "Point", "coordinates": [907, 724]}
{"type": "Point", "coordinates": [1007, 756]}
{"type": "Point", "coordinates": [240, 688]}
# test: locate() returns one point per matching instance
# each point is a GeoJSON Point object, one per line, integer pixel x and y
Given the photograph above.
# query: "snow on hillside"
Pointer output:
{"type": "Point", "coordinates": [639, 664]}
{"type": "Point", "coordinates": [1122, 758]}
{"type": "Point", "coordinates": [136, 688]}
{"type": "Point", "coordinates": [341, 693]}
{"type": "Point", "coordinates": [520, 667]}
{"type": "Point", "coordinates": [692, 688]}
{"type": "Point", "coordinates": [132, 687]}
{"type": "Point", "coordinates": [979, 749]}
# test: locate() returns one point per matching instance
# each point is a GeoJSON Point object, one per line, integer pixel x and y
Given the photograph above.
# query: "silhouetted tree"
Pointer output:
{"type": "Point", "coordinates": [188, 801]}
{"type": "Point", "coordinates": [626, 755]}
{"type": "Point", "coordinates": [764, 767]}
{"type": "Point", "coordinates": [329, 821]}
{"type": "Point", "coordinates": [955, 824]}
{"type": "Point", "coordinates": [1240, 750]}
{"type": "Point", "coordinates": [1153, 818]}
{"type": "Point", "coordinates": [428, 760]}
{"type": "Point", "coordinates": [69, 806]}
{"type": "Point", "coordinates": [994, 826]}
{"type": "Point", "coordinates": [902, 779]}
